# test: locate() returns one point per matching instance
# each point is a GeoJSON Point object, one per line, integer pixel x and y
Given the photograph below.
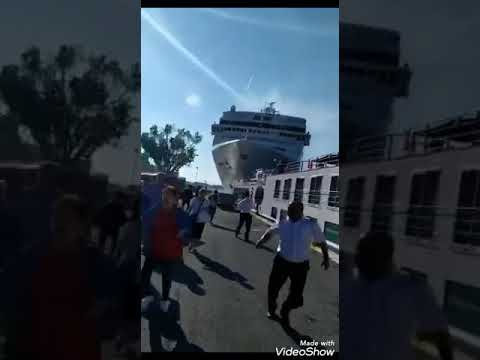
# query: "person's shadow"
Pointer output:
{"type": "Point", "coordinates": [189, 277]}
{"type": "Point", "coordinates": [222, 270]}
{"type": "Point", "coordinates": [223, 227]}
{"type": "Point", "coordinates": [263, 247]}
{"type": "Point", "coordinates": [166, 333]}
{"type": "Point", "coordinates": [295, 335]}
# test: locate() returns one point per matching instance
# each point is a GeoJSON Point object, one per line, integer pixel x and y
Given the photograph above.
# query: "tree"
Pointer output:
{"type": "Point", "coordinates": [71, 104]}
{"type": "Point", "coordinates": [146, 166]}
{"type": "Point", "coordinates": [170, 149]}
{"type": "Point", "coordinates": [11, 145]}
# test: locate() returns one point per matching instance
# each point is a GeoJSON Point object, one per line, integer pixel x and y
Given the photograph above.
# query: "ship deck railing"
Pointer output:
{"type": "Point", "coordinates": [408, 145]}
{"type": "Point", "coordinates": [327, 161]}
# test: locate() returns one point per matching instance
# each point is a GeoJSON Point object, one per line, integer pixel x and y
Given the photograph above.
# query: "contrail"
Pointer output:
{"type": "Point", "coordinates": [188, 54]}
{"type": "Point", "coordinates": [266, 24]}
{"type": "Point", "coordinates": [249, 82]}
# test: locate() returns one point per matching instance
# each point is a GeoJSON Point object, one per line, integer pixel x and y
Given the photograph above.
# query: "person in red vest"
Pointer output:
{"type": "Point", "coordinates": [164, 246]}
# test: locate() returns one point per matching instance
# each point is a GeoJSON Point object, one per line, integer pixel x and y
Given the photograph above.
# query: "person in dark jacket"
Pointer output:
{"type": "Point", "coordinates": [110, 219]}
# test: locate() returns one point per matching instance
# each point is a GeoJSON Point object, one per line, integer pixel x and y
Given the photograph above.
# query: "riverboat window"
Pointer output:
{"type": "Point", "coordinates": [461, 306]}
{"type": "Point", "coordinates": [423, 202]}
{"type": "Point", "coordinates": [273, 213]}
{"type": "Point", "coordinates": [286, 189]}
{"type": "Point", "coordinates": [467, 223]}
{"type": "Point", "coordinates": [298, 196]}
{"type": "Point", "coordinates": [331, 231]}
{"type": "Point", "coordinates": [333, 196]}
{"type": "Point", "coordinates": [256, 117]}
{"type": "Point", "coordinates": [314, 193]}
{"type": "Point", "coordinates": [382, 213]}
{"type": "Point", "coordinates": [354, 201]}
{"type": "Point", "coordinates": [276, 192]}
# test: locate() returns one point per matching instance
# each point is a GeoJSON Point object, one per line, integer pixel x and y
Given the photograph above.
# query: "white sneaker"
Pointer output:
{"type": "Point", "coordinates": [164, 304]}
{"type": "Point", "coordinates": [168, 344]}
{"type": "Point", "coordinates": [146, 301]}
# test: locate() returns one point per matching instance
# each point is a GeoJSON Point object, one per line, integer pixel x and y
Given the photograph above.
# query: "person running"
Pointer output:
{"type": "Point", "coordinates": [383, 309]}
{"type": "Point", "coordinates": [170, 227]}
{"type": "Point", "coordinates": [127, 257]}
{"type": "Point", "coordinates": [110, 219]}
{"type": "Point", "coordinates": [297, 234]}
{"type": "Point", "coordinates": [213, 202]}
{"type": "Point", "coordinates": [199, 213]}
{"type": "Point", "coordinates": [245, 206]}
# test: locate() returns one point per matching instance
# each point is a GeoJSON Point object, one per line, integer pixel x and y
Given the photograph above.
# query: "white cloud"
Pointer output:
{"type": "Point", "coordinates": [193, 100]}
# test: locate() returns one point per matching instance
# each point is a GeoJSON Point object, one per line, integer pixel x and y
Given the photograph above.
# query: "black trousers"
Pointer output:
{"type": "Point", "coordinates": [165, 268]}
{"type": "Point", "coordinates": [245, 218]}
{"type": "Point", "coordinates": [281, 271]}
{"type": "Point", "coordinates": [212, 211]}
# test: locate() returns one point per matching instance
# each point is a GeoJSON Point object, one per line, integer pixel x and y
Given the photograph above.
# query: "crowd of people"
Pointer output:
{"type": "Point", "coordinates": [174, 225]}
{"type": "Point", "coordinates": [76, 289]}
{"type": "Point", "coordinates": [80, 287]}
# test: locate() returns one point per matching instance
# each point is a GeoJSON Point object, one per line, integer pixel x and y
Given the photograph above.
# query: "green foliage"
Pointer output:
{"type": "Point", "coordinates": [169, 148]}
{"type": "Point", "coordinates": [71, 104]}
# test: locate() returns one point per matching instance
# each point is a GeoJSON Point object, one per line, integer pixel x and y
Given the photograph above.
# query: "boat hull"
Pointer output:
{"type": "Point", "coordinates": [238, 160]}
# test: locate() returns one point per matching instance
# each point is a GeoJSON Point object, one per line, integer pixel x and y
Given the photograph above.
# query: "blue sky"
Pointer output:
{"type": "Point", "coordinates": [196, 63]}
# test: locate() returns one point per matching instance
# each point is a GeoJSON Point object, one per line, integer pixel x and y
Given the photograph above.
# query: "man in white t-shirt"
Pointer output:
{"type": "Point", "coordinates": [292, 261]}
{"type": "Point", "coordinates": [382, 310]}
{"type": "Point", "coordinates": [245, 206]}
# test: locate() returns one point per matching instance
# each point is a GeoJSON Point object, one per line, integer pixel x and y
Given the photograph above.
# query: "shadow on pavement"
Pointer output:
{"type": "Point", "coordinates": [223, 271]}
{"type": "Point", "coordinates": [189, 277]}
{"type": "Point", "coordinates": [295, 335]}
{"type": "Point", "coordinates": [164, 328]}
{"type": "Point", "coordinates": [222, 227]}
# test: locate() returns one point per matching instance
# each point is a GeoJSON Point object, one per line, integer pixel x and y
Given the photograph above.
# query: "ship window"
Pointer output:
{"type": "Point", "coordinates": [283, 214]}
{"type": "Point", "coordinates": [354, 200]}
{"type": "Point", "coordinates": [467, 223]}
{"type": "Point", "coordinates": [423, 201]}
{"type": "Point", "coordinates": [333, 196]}
{"type": "Point", "coordinates": [383, 203]}
{"type": "Point", "coordinates": [256, 117]}
{"type": "Point", "coordinates": [244, 156]}
{"type": "Point", "coordinates": [286, 189]}
{"type": "Point", "coordinates": [315, 186]}
{"type": "Point", "coordinates": [276, 192]}
{"type": "Point", "coordinates": [268, 118]}
{"type": "Point", "coordinates": [462, 306]}
{"type": "Point", "coordinates": [298, 195]}
{"type": "Point", "coordinates": [273, 212]}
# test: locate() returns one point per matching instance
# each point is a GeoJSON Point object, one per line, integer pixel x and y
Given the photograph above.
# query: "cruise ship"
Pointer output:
{"type": "Point", "coordinates": [245, 141]}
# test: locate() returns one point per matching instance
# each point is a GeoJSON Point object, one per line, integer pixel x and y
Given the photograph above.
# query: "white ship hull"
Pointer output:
{"type": "Point", "coordinates": [238, 160]}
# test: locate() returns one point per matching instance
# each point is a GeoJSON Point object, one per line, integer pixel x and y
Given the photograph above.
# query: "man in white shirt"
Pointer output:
{"type": "Point", "coordinates": [245, 207]}
{"type": "Point", "coordinates": [199, 212]}
{"type": "Point", "coordinates": [292, 261]}
{"type": "Point", "coordinates": [383, 310]}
